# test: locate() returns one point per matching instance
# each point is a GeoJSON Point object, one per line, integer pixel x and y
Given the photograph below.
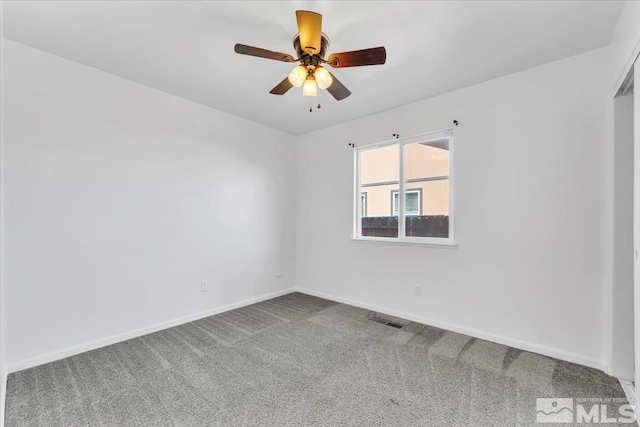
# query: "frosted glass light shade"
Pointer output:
{"type": "Point", "coordinates": [310, 87]}
{"type": "Point", "coordinates": [323, 77]}
{"type": "Point", "coordinates": [298, 75]}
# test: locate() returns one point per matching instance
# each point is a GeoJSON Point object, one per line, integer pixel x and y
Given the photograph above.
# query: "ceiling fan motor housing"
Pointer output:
{"type": "Point", "coordinates": [316, 58]}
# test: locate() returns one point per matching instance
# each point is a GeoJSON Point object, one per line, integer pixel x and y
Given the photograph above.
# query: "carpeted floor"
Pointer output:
{"type": "Point", "coordinates": [298, 360]}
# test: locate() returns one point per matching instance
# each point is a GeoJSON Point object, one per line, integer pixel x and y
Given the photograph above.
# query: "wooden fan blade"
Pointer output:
{"type": "Point", "coordinates": [357, 58]}
{"type": "Point", "coordinates": [243, 49]}
{"type": "Point", "coordinates": [310, 29]}
{"type": "Point", "coordinates": [282, 87]}
{"type": "Point", "coordinates": [337, 89]}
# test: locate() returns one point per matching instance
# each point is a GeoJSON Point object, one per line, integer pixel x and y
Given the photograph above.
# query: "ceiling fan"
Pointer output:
{"type": "Point", "coordinates": [311, 46]}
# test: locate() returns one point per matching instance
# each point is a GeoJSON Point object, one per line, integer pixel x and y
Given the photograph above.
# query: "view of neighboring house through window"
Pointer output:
{"type": "Point", "coordinates": [418, 166]}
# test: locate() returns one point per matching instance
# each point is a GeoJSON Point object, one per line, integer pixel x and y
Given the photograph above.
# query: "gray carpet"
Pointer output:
{"type": "Point", "coordinates": [298, 360]}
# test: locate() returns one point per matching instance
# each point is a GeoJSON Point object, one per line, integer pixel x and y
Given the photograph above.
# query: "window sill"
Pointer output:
{"type": "Point", "coordinates": [395, 241]}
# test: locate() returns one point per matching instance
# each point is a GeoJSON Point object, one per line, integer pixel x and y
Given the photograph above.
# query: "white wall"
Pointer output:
{"type": "Point", "coordinates": [120, 199]}
{"type": "Point", "coordinates": [529, 273]}
{"type": "Point", "coordinates": [622, 355]}
{"type": "Point", "coordinates": [3, 364]}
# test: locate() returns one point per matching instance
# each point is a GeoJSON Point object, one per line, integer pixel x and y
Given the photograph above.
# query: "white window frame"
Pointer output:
{"type": "Point", "coordinates": [402, 238]}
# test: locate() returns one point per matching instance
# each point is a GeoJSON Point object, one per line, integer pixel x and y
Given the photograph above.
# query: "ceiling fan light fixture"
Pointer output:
{"type": "Point", "coordinates": [298, 75]}
{"type": "Point", "coordinates": [323, 77]}
{"type": "Point", "coordinates": [310, 88]}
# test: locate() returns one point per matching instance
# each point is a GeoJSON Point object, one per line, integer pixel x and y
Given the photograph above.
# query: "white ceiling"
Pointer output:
{"type": "Point", "coordinates": [186, 47]}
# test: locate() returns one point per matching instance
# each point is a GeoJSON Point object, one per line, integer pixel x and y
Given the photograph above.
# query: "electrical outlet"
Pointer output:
{"type": "Point", "coordinates": [418, 291]}
{"type": "Point", "coordinates": [203, 286]}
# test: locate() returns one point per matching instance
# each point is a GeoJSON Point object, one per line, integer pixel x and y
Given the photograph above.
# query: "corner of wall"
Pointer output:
{"type": "Point", "coordinates": [3, 392]}
{"type": "Point", "coordinates": [3, 367]}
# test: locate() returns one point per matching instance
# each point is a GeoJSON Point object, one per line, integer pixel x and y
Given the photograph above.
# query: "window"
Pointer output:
{"type": "Point", "coordinates": [363, 203]}
{"type": "Point", "coordinates": [413, 202]}
{"type": "Point", "coordinates": [405, 190]}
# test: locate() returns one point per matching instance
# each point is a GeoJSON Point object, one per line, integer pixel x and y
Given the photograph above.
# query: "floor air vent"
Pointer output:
{"type": "Point", "coordinates": [384, 321]}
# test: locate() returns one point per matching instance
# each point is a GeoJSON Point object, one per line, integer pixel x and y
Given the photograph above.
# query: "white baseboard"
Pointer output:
{"type": "Point", "coordinates": [522, 345]}
{"type": "Point", "coordinates": [622, 375]}
{"type": "Point", "coordinates": [102, 342]}
{"type": "Point", "coordinates": [92, 345]}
